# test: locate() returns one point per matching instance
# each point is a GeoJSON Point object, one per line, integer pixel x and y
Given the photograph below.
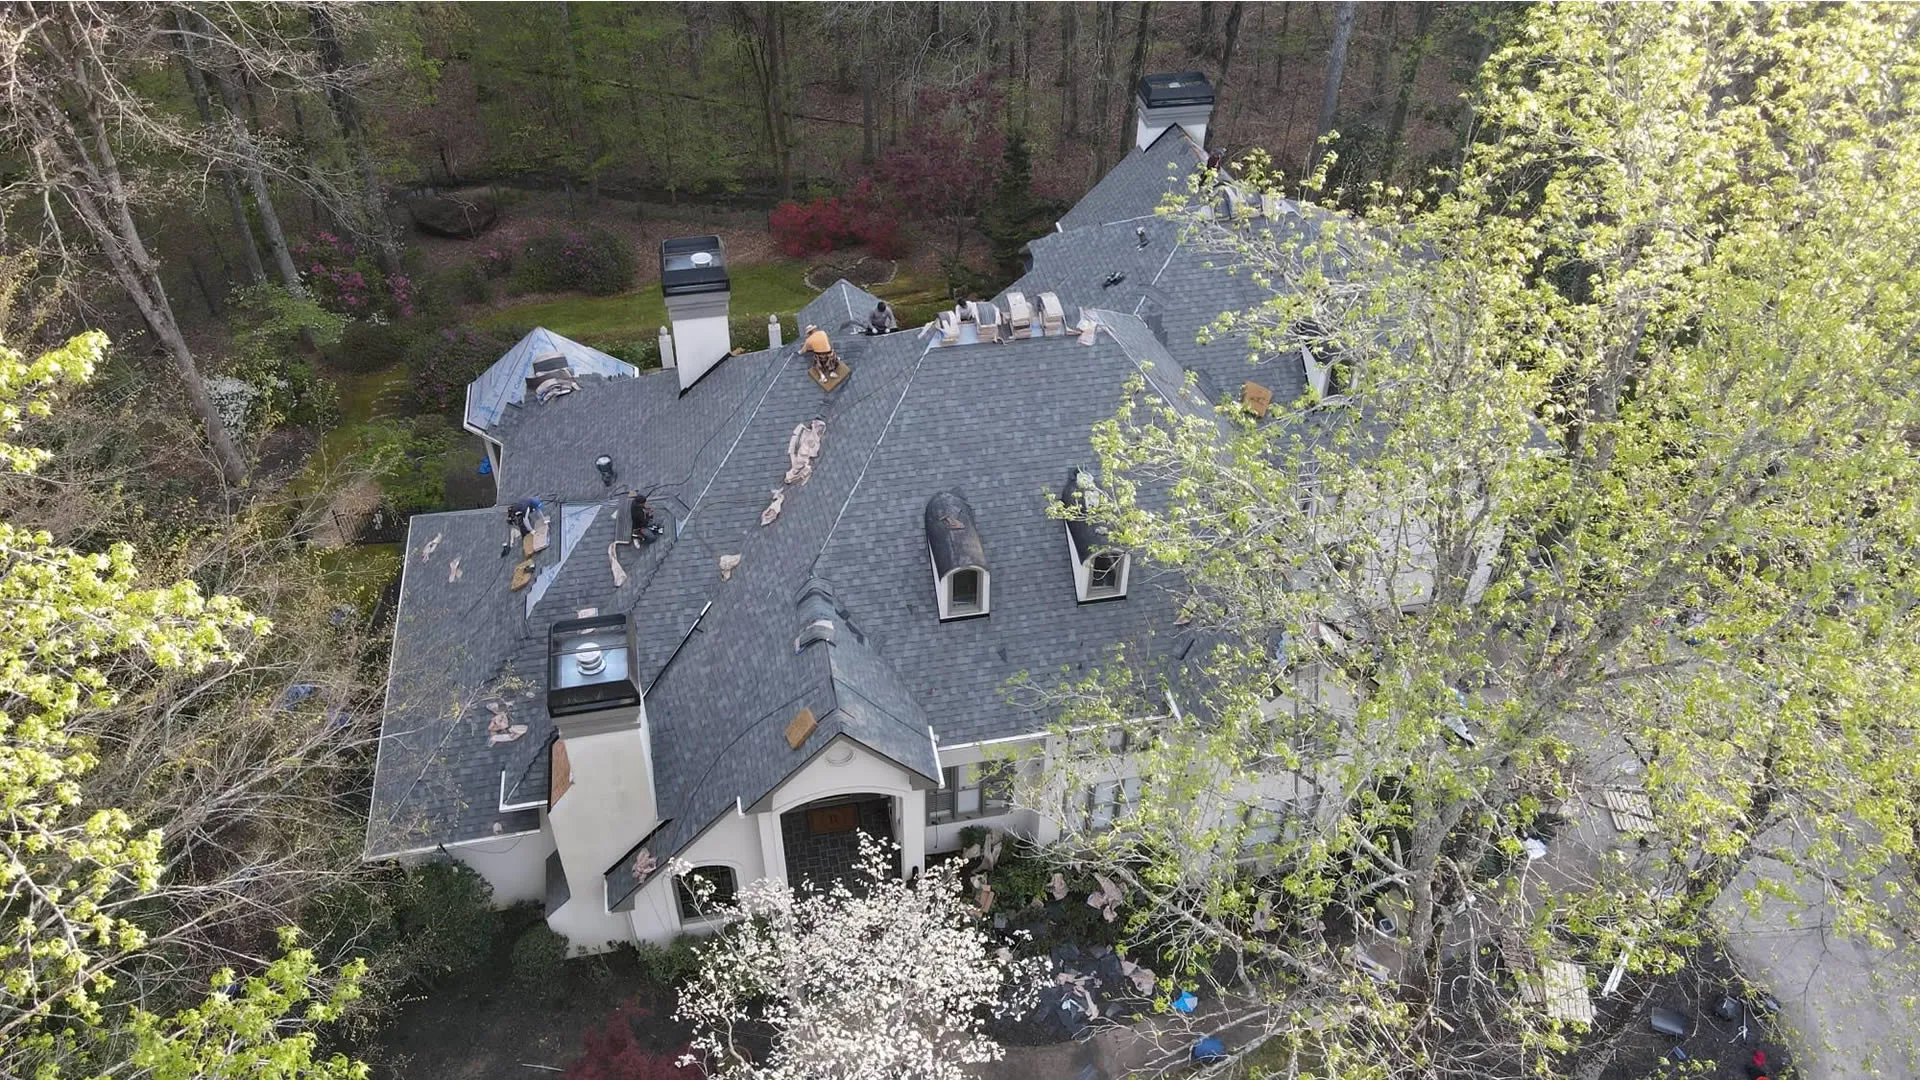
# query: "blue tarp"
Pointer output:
{"type": "Point", "coordinates": [505, 383]}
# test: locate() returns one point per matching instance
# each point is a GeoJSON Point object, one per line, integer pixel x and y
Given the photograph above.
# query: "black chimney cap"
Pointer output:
{"type": "Point", "coordinates": [1174, 88]}
{"type": "Point", "coordinates": [590, 665]}
{"type": "Point", "coordinates": [692, 264]}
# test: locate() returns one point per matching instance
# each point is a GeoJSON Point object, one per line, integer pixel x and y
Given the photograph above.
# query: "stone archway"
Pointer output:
{"type": "Point", "coordinates": [822, 838]}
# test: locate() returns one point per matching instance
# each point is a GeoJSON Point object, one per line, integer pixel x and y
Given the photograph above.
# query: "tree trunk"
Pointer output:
{"type": "Point", "coordinates": [1343, 14]}
{"type": "Point", "coordinates": [1234, 14]}
{"type": "Point", "coordinates": [1203, 38]}
{"type": "Point", "coordinates": [1387, 41]}
{"type": "Point", "coordinates": [1135, 71]}
{"type": "Point", "coordinates": [1280, 52]}
{"type": "Point", "coordinates": [1069, 64]}
{"type": "Point", "coordinates": [1409, 74]}
{"type": "Point", "coordinates": [257, 181]}
{"type": "Point", "coordinates": [1103, 90]}
{"type": "Point", "coordinates": [346, 113]}
{"type": "Point", "coordinates": [866, 112]}
{"type": "Point", "coordinates": [113, 227]}
{"type": "Point", "coordinates": [236, 203]}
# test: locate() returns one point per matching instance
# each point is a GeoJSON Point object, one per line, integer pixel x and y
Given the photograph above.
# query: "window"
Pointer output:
{"type": "Point", "coordinates": [725, 888]}
{"type": "Point", "coordinates": [970, 791]}
{"type": "Point", "coordinates": [1111, 800]}
{"type": "Point", "coordinates": [963, 591]}
{"type": "Point", "coordinates": [1103, 574]}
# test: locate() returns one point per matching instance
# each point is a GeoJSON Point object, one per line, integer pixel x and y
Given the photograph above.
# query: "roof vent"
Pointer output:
{"type": "Point", "coordinates": [1019, 316]}
{"type": "Point", "coordinates": [962, 584]}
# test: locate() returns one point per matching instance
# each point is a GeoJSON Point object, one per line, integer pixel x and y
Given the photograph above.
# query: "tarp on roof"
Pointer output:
{"type": "Point", "coordinates": [574, 520]}
{"type": "Point", "coordinates": [505, 383]}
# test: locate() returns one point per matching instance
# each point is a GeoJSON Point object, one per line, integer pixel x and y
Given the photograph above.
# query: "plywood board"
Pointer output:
{"type": "Point", "coordinates": [840, 373]}
{"type": "Point", "coordinates": [799, 728]}
{"type": "Point", "coordinates": [1255, 398]}
{"type": "Point", "coordinates": [560, 778]}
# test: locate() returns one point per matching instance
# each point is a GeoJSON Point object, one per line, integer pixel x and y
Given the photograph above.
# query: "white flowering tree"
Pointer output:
{"type": "Point", "coordinates": [869, 979]}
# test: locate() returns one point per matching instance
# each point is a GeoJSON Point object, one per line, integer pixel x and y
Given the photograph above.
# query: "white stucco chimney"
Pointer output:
{"type": "Point", "coordinates": [605, 800]}
{"type": "Point", "coordinates": [693, 281]}
{"type": "Point", "coordinates": [1178, 97]}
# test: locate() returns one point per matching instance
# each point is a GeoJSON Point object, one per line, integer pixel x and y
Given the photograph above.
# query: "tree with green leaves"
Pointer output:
{"type": "Point", "coordinates": [1602, 495]}
{"type": "Point", "coordinates": [1009, 216]}
{"type": "Point", "coordinates": [78, 879]}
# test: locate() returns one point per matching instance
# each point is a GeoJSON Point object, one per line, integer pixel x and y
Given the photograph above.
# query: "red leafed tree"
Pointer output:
{"type": "Point", "coordinates": [942, 171]}
{"type": "Point", "coordinates": [615, 1051]}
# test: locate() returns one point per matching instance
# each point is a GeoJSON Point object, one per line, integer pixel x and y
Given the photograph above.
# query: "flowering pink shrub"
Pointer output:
{"type": "Point", "coordinates": [346, 281]}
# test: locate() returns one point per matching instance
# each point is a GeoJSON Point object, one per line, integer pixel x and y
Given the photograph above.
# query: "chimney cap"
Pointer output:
{"type": "Point", "coordinates": [590, 665]}
{"type": "Point", "coordinates": [692, 264]}
{"type": "Point", "coordinates": [1175, 88]}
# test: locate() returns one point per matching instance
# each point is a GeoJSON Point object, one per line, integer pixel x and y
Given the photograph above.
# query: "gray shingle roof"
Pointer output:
{"type": "Point", "coordinates": [1137, 184]}
{"type": "Point", "coordinates": [832, 606]}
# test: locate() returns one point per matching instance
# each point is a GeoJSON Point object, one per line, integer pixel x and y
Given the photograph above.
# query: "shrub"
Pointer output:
{"type": "Point", "coordinates": [828, 223]}
{"type": "Point", "coordinates": [366, 346]}
{"type": "Point", "coordinates": [596, 262]}
{"type": "Point", "coordinates": [445, 914]}
{"type": "Point", "coordinates": [404, 458]}
{"type": "Point", "coordinates": [671, 963]}
{"type": "Point", "coordinates": [468, 283]}
{"type": "Point", "coordinates": [643, 353]}
{"type": "Point", "coordinates": [442, 363]}
{"type": "Point", "coordinates": [538, 957]}
{"type": "Point", "coordinates": [613, 1051]}
{"type": "Point", "coordinates": [347, 282]}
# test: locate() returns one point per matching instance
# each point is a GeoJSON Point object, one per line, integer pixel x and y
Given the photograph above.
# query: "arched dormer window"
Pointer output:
{"type": "Point", "coordinates": [961, 582]}
{"type": "Point", "coordinates": [1099, 568]}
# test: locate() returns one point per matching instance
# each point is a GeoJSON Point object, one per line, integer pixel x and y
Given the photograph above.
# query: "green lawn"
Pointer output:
{"type": "Point", "coordinates": [760, 289]}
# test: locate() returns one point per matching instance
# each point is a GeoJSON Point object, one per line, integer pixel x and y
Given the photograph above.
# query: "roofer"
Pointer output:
{"type": "Point", "coordinates": [882, 320]}
{"type": "Point", "coordinates": [522, 518]}
{"type": "Point", "coordinates": [820, 351]}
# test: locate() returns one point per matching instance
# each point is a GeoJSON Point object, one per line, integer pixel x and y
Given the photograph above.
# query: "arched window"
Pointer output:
{"type": "Point", "coordinates": [963, 591]}
{"type": "Point", "coordinates": [725, 888]}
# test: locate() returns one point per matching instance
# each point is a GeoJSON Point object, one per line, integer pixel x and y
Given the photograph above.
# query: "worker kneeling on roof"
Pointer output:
{"type": "Point", "coordinates": [826, 365]}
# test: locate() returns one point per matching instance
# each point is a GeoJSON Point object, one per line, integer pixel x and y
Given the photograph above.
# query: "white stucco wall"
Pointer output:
{"type": "Point", "coordinates": [516, 866]}
{"type": "Point", "coordinates": [608, 808]}
{"type": "Point", "coordinates": [847, 768]}
{"type": "Point", "coordinates": [733, 842]}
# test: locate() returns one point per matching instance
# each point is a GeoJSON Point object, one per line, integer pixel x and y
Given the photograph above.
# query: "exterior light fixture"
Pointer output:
{"type": "Point", "coordinates": [604, 463]}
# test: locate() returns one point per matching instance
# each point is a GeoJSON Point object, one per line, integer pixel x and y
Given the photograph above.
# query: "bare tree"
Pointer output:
{"type": "Point", "coordinates": [229, 184]}
{"type": "Point", "coordinates": [1343, 15]}
{"type": "Point", "coordinates": [57, 65]}
{"type": "Point", "coordinates": [346, 113]}
{"type": "Point", "coordinates": [1142, 37]}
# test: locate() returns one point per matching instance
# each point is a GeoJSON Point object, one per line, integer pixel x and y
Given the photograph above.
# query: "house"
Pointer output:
{"type": "Point", "coordinates": [806, 622]}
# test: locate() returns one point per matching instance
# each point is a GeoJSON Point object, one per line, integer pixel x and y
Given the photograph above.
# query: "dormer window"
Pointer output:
{"type": "Point", "coordinates": [963, 588]}
{"type": "Point", "coordinates": [1099, 568]}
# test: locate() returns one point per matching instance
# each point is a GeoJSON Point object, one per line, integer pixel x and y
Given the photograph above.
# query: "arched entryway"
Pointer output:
{"type": "Point", "coordinates": [822, 838]}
